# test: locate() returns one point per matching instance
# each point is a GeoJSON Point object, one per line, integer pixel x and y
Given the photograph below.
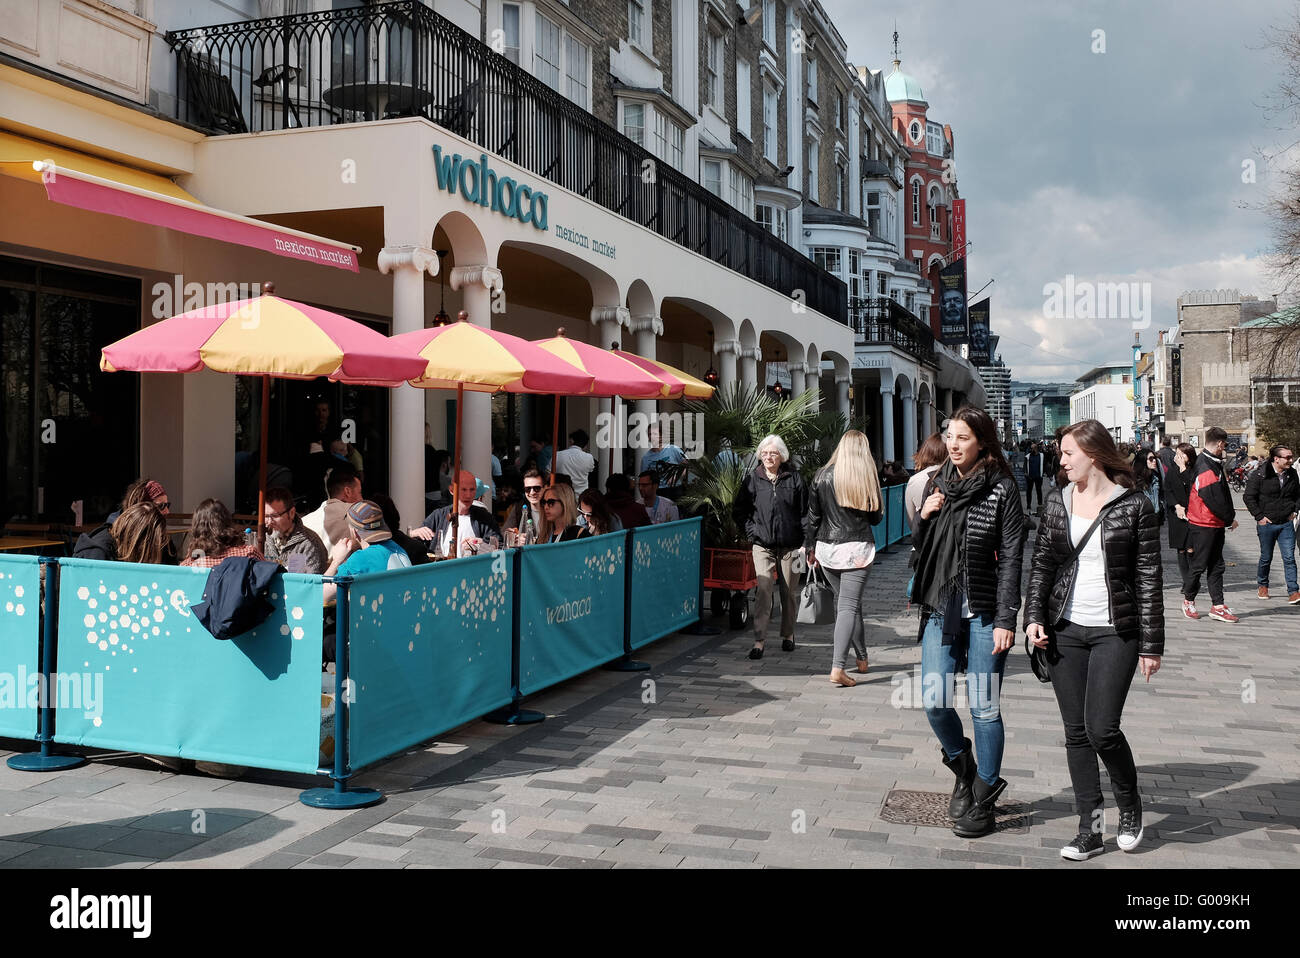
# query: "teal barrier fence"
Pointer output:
{"type": "Point", "coordinates": [430, 650]}
{"type": "Point", "coordinates": [153, 680]}
{"type": "Point", "coordinates": [896, 516]}
{"type": "Point", "coordinates": [20, 600]}
{"type": "Point", "coordinates": [571, 609]}
{"type": "Point", "coordinates": [665, 581]}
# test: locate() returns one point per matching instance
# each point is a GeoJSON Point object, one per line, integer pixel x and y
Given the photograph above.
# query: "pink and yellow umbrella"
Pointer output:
{"type": "Point", "coordinates": [682, 385]}
{"type": "Point", "coordinates": [266, 336]}
{"type": "Point", "coordinates": [464, 356]}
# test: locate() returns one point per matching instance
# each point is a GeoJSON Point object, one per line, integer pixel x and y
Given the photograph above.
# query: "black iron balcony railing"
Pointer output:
{"type": "Point", "coordinates": [402, 59]}
{"type": "Point", "coordinates": [884, 320]}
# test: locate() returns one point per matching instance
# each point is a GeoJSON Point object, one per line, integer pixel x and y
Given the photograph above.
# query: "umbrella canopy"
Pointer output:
{"type": "Point", "coordinates": [474, 358]}
{"type": "Point", "coordinates": [611, 375]}
{"type": "Point", "coordinates": [684, 385]}
{"type": "Point", "coordinates": [265, 336]}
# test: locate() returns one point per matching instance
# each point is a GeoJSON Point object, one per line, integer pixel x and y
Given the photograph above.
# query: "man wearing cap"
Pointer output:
{"type": "Point", "coordinates": [368, 547]}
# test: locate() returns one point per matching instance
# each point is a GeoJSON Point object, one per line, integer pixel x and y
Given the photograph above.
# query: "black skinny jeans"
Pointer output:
{"type": "Point", "coordinates": [1091, 681]}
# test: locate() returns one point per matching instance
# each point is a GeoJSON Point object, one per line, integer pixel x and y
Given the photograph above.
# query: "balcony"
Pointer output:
{"type": "Point", "coordinates": [402, 59]}
{"type": "Point", "coordinates": [886, 321]}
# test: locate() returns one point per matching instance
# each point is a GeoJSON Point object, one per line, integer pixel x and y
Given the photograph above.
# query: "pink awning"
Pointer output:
{"type": "Point", "coordinates": [87, 192]}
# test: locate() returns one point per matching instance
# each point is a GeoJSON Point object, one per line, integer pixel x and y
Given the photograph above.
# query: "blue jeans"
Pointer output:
{"type": "Point", "coordinates": [983, 687]}
{"type": "Point", "coordinates": [1283, 533]}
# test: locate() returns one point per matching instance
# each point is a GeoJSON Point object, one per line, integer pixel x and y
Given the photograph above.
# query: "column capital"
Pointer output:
{"type": "Point", "coordinates": [843, 379]}
{"type": "Point", "coordinates": [419, 258]}
{"type": "Point", "coordinates": [724, 346]}
{"type": "Point", "coordinates": [488, 276]}
{"type": "Point", "coordinates": [646, 322]}
{"type": "Point", "coordinates": [803, 368]}
{"type": "Point", "coordinates": [750, 352]}
{"type": "Point", "coordinates": [618, 315]}
{"type": "Point", "coordinates": [887, 389]}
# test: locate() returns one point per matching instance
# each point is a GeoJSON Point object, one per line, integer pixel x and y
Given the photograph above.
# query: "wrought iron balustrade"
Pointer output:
{"type": "Point", "coordinates": [402, 59]}
{"type": "Point", "coordinates": [885, 320]}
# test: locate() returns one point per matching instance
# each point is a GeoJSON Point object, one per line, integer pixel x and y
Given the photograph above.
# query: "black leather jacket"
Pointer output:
{"type": "Point", "coordinates": [1266, 498]}
{"type": "Point", "coordinates": [995, 539]}
{"type": "Point", "coordinates": [1130, 542]}
{"type": "Point", "coordinates": [828, 521]}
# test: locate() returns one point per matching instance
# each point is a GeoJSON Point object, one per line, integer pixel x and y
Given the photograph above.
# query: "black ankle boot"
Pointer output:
{"type": "Point", "coordinates": [979, 820]}
{"type": "Point", "coordinates": [963, 766]}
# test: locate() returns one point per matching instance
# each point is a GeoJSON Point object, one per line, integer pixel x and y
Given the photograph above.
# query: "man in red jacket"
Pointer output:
{"type": "Point", "coordinates": [1209, 513]}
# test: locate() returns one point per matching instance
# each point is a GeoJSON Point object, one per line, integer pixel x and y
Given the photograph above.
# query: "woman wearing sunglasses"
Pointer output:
{"type": "Point", "coordinates": [1094, 604]}
{"type": "Point", "coordinates": [559, 514]}
{"type": "Point", "coordinates": [595, 516]}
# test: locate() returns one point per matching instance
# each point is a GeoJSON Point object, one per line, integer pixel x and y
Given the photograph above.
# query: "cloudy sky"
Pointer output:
{"type": "Point", "coordinates": [1122, 166]}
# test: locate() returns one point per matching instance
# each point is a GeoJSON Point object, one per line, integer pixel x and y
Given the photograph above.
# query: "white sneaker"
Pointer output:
{"type": "Point", "coordinates": [1130, 828]}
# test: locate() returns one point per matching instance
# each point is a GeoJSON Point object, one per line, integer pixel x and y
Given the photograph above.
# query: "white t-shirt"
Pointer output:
{"type": "Point", "coordinates": [576, 463]}
{"type": "Point", "coordinates": [1090, 598]}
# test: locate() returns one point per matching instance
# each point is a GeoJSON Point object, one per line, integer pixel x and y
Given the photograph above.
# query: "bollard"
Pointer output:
{"type": "Point", "coordinates": [47, 760]}
{"type": "Point", "coordinates": [340, 796]}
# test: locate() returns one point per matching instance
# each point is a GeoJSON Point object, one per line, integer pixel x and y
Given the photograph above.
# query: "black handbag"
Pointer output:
{"type": "Point", "coordinates": [1040, 659]}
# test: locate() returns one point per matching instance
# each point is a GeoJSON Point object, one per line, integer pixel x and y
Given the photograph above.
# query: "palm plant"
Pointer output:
{"type": "Point", "coordinates": [736, 420]}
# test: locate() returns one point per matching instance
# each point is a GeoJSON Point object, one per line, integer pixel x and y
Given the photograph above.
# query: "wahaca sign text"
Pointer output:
{"type": "Point", "coordinates": [480, 184]}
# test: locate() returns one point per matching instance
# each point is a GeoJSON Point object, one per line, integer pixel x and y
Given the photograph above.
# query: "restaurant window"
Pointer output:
{"type": "Point", "coordinates": [634, 122]}
{"type": "Point", "coordinates": [510, 31]}
{"type": "Point", "coordinates": [68, 432]}
{"type": "Point", "coordinates": [546, 56]}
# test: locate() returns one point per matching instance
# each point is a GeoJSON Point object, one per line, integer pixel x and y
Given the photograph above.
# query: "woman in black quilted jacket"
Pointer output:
{"type": "Point", "coordinates": [1095, 605]}
{"type": "Point", "coordinates": [968, 543]}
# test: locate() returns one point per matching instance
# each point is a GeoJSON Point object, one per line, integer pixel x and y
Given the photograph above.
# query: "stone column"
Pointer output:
{"type": "Point", "coordinates": [409, 265]}
{"type": "Point", "coordinates": [813, 381]}
{"type": "Point", "coordinates": [909, 430]}
{"type": "Point", "coordinates": [749, 357]}
{"type": "Point", "coordinates": [646, 327]}
{"type": "Point", "coordinates": [798, 378]}
{"type": "Point", "coordinates": [794, 118]}
{"type": "Point", "coordinates": [855, 164]}
{"type": "Point", "coordinates": [478, 285]}
{"type": "Point", "coordinates": [887, 450]}
{"type": "Point", "coordinates": [842, 382]}
{"type": "Point", "coordinates": [927, 417]}
{"type": "Point", "coordinates": [727, 351]}
{"type": "Point", "coordinates": [610, 321]}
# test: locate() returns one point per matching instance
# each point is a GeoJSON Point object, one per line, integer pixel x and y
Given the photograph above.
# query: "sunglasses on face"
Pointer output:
{"type": "Point", "coordinates": [532, 490]}
{"type": "Point", "coordinates": [165, 506]}
{"type": "Point", "coordinates": [550, 502]}
{"type": "Point", "coordinates": [585, 513]}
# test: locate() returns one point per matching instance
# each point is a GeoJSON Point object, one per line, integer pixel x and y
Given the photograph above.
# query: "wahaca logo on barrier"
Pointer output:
{"type": "Point", "coordinates": [479, 183]}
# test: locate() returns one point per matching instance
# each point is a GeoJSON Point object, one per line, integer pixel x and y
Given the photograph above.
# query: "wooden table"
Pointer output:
{"type": "Point", "coordinates": [23, 543]}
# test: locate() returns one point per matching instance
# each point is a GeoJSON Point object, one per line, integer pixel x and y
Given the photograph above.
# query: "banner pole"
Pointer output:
{"type": "Point", "coordinates": [340, 796]}
{"type": "Point", "coordinates": [46, 760]}
{"type": "Point", "coordinates": [512, 714]}
{"type": "Point", "coordinates": [626, 663]}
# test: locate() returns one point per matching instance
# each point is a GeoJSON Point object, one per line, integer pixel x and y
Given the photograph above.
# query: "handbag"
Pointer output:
{"type": "Point", "coordinates": [817, 601]}
{"type": "Point", "coordinates": [1039, 659]}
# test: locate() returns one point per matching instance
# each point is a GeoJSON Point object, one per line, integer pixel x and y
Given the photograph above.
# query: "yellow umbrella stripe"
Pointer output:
{"type": "Point", "coordinates": [271, 337]}
{"type": "Point", "coordinates": [463, 354]}
{"type": "Point", "coordinates": [564, 350]}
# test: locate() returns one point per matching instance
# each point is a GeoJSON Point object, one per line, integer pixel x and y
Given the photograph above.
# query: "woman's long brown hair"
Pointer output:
{"type": "Point", "coordinates": [140, 534]}
{"type": "Point", "coordinates": [1096, 442]}
{"type": "Point", "coordinates": [990, 456]}
{"type": "Point", "coordinates": [213, 530]}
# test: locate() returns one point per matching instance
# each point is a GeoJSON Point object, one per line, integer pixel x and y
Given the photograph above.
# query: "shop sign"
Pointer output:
{"type": "Point", "coordinates": [479, 183]}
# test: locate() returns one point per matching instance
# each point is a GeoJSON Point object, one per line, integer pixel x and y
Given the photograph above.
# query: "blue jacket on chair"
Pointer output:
{"type": "Point", "coordinates": [234, 598]}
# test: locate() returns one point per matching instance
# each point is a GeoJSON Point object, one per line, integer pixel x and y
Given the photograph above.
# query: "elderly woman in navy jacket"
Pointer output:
{"type": "Point", "coordinates": [769, 508]}
{"type": "Point", "coordinates": [1095, 606]}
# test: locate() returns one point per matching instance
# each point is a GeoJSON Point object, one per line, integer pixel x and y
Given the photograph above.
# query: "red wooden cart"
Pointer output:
{"type": "Point", "coordinates": [730, 574]}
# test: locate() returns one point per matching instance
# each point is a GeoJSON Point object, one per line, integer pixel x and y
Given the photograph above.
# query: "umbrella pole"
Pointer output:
{"type": "Point", "coordinates": [614, 432]}
{"type": "Point", "coordinates": [453, 519]}
{"type": "Point", "coordinates": [260, 518]}
{"type": "Point", "coordinates": [555, 433]}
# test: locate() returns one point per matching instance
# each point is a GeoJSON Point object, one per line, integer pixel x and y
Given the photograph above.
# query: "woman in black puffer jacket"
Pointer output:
{"type": "Point", "coordinates": [968, 548]}
{"type": "Point", "coordinates": [1099, 615]}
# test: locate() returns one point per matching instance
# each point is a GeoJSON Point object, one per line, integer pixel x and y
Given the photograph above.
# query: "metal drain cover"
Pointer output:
{"type": "Point", "coordinates": [903, 807]}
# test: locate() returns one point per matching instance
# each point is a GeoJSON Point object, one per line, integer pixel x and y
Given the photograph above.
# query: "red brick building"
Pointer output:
{"type": "Point", "coordinates": [930, 183]}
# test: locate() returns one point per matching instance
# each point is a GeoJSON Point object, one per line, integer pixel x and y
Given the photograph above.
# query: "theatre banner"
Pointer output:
{"type": "Point", "coordinates": [979, 333]}
{"type": "Point", "coordinates": [952, 304]}
{"type": "Point", "coordinates": [958, 229]}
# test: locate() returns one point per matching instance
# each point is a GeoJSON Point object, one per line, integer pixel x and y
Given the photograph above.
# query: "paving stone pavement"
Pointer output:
{"type": "Point", "coordinates": [712, 760]}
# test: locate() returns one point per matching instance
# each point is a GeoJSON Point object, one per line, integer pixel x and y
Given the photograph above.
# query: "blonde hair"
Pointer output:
{"type": "Point", "coordinates": [568, 507]}
{"type": "Point", "coordinates": [140, 533]}
{"type": "Point", "coordinates": [856, 484]}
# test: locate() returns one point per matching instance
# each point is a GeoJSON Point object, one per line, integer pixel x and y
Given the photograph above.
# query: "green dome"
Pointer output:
{"type": "Point", "coordinates": [900, 87]}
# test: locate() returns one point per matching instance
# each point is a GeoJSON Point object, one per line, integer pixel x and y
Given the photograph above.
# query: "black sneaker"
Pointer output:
{"type": "Point", "coordinates": [1084, 846]}
{"type": "Point", "coordinates": [1130, 828]}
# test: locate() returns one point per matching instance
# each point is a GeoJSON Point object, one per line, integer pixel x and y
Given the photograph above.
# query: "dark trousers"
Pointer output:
{"type": "Point", "coordinates": [1091, 681]}
{"type": "Point", "coordinates": [1207, 559]}
{"type": "Point", "coordinates": [1033, 485]}
{"type": "Point", "coordinates": [1184, 566]}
